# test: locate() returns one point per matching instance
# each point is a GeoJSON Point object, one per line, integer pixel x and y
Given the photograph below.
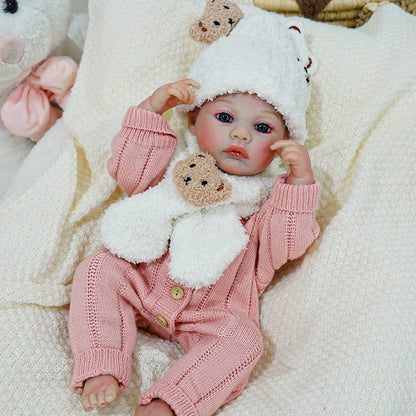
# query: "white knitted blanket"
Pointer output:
{"type": "Point", "coordinates": [339, 324]}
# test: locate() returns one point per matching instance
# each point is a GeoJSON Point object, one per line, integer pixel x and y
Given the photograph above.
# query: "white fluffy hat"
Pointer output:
{"type": "Point", "coordinates": [266, 54]}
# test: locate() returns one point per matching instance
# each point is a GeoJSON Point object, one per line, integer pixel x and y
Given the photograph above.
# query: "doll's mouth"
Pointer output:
{"type": "Point", "coordinates": [236, 152]}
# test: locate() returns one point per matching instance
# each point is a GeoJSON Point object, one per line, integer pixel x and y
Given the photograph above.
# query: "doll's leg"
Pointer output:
{"type": "Point", "coordinates": [102, 328]}
{"type": "Point", "coordinates": [214, 369]}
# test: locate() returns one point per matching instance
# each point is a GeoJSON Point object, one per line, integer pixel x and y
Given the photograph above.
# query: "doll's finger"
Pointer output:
{"type": "Point", "coordinates": [290, 157]}
{"type": "Point", "coordinates": [190, 94]}
{"type": "Point", "coordinates": [181, 92]}
{"type": "Point", "coordinates": [176, 96]}
{"type": "Point", "coordinates": [185, 84]}
{"type": "Point", "coordinates": [191, 83]}
{"type": "Point", "coordinates": [280, 144]}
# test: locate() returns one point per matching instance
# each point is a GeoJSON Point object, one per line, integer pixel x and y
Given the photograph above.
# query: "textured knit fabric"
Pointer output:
{"type": "Point", "coordinates": [217, 325]}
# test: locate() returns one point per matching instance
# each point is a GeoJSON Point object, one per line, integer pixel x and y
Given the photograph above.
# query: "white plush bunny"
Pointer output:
{"type": "Point", "coordinates": [31, 31]}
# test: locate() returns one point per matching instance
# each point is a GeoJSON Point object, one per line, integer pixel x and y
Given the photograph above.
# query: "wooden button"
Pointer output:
{"type": "Point", "coordinates": [177, 292]}
{"type": "Point", "coordinates": [162, 321]}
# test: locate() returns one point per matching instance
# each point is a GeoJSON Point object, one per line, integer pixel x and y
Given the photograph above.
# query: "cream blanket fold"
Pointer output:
{"type": "Point", "coordinates": [339, 324]}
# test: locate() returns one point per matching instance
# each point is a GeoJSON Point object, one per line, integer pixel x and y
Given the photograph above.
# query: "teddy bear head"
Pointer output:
{"type": "Point", "coordinates": [30, 30]}
{"type": "Point", "coordinates": [199, 181]}
{"type": "Point", "coordinates": [218, 19]}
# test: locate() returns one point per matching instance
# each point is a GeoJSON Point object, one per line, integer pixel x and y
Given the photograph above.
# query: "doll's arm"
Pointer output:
{"type": "Point", "coordinates": [297, 158]}
{"type": "Point", "coordinates": [170, 95]}
{"type": "Point", "coordinates": [141, 150]}
{"type": "Point", "coordinates": [286, 226]}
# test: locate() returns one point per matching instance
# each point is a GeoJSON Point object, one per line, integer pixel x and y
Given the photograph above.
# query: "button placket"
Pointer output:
{"type": "Point", "coordinates": [169, 306]}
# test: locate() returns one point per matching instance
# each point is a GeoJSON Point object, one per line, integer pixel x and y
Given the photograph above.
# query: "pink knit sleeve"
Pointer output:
{"type": "Point", "coordinates": [141, 150]}
{"type": "Point", "coordinates": [287, 226]}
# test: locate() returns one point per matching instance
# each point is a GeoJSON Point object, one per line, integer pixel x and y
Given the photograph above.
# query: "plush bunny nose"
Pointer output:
{"type": "Point", "coordinates": [11, 48]}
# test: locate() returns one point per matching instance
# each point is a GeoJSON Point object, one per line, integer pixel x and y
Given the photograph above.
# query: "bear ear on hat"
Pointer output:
{"type": "Point", "coordinates": [305, 57]}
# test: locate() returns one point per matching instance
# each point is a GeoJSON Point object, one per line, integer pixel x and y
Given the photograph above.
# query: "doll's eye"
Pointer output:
{"type": "Point", "coordinates": [192, 165]}
{"type": "Point", "coordinates": [10, 6]}
{"type": "Point", "coordinates": [263, 128]}
{"type": "Point", "coordinates": [224, 117]}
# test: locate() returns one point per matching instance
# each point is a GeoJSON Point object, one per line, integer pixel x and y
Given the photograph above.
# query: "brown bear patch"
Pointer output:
{"type": "Point", "coordinates": [218, 19]}
{"type": "Point", "coordinates": [199, 181]}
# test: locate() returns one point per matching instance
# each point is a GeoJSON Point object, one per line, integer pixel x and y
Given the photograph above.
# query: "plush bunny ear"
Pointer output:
{"type": "Point", "coordinates": [305, 57]}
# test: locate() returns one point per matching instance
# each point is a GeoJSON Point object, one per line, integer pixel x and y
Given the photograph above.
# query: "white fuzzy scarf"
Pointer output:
{"type": "Point", "coordinates": [202, 241]}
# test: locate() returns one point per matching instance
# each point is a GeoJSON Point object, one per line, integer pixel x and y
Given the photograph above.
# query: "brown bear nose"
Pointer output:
{"type": "Point", "coordinates": [187, 180]}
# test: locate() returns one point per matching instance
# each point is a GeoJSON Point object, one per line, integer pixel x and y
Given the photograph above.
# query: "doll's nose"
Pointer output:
{"type": "Point", "coordinates": [242, 132]}
{"type": "Point", "coordinates": [11, 48]}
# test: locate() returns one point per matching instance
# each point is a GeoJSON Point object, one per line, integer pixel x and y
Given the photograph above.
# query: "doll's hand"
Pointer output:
{"type": "Point", "coordinates": [170, 95]}
{"type": "Point", "coordinates": [297, 158]}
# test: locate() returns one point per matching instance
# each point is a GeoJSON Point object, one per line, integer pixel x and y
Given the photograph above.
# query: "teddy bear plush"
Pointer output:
{"type": "Point", "coordinates": [34, 81]}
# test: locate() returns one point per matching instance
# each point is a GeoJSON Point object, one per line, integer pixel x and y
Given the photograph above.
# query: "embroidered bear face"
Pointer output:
{"type": "Point", "coordinates": [199, 181]}
{"type": "Point", "coordinates": [218, 19]}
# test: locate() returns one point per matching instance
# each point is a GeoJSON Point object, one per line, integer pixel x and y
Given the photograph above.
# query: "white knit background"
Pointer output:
{"type": "Point", "coordinates": [339, 324]}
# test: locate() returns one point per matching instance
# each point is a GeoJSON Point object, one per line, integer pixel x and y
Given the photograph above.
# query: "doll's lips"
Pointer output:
{"type": "Point", "coordinates": [236, 152]}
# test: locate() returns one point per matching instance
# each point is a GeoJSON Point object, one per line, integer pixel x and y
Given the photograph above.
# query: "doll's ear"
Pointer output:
{"type": "Point", "coordinates": [192, 115]}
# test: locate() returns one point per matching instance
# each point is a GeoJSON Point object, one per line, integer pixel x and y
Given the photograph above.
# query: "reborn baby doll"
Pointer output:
{"type": "Point", "coordinates": [246, 98]}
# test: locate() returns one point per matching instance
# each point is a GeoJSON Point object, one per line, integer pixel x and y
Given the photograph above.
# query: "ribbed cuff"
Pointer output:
{"type": "Point", "coordinates": [101, 361]}
{"type": "Point", "coordinates": [295, 198]}
{"type": "Point", "coordinates": [147, 120]}
{"type": "Point", "coordinates": [172, 395]}
{"type": "Point", "coordinates": [137, 124]}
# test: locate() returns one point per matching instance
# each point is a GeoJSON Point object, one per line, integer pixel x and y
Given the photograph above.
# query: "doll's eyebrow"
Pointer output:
{"type": "Point", "coordinates": [223, 99]}
{"type": "Point", "coordinates": [273, 113]}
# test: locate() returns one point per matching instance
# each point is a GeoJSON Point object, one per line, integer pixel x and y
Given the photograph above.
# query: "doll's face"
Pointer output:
{"type": "Point", "coordinates": [237, 130]}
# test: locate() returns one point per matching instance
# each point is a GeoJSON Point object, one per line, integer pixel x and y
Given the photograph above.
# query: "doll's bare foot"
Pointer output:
{"type": "Point", "coordinates": [155, 408]}
{"type": "Point", "coordinates": [99, 391]}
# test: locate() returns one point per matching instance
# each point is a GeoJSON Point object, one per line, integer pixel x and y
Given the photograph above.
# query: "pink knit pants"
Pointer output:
{"type": "Point", "coordinates": [111, 298]}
